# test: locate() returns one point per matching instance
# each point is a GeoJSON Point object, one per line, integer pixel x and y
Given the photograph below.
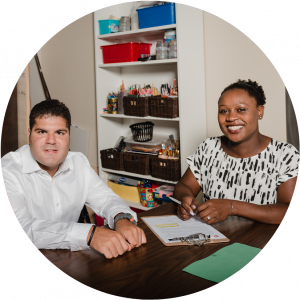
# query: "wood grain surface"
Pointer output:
{"type": "Point", "coordinates": [154, 271]}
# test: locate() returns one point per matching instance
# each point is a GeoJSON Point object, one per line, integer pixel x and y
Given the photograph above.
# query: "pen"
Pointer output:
{"type": "Point", "coordinates": [175, 200]}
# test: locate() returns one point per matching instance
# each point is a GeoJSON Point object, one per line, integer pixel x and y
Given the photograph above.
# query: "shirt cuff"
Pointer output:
{"type": "Point", "coordinates": [79, 234]}
{"type": "Point", "coordinates": [111, 218]}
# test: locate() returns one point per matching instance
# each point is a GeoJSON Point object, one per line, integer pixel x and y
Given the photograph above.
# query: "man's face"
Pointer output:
{"type": "Point", "coordinates": [49, 142]}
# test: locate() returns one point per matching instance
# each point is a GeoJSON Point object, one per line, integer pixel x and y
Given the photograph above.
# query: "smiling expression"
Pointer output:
{"type": "Point", "coordinates": [238, 115]}
{"type": "Point", "coordinates": [49, 142]}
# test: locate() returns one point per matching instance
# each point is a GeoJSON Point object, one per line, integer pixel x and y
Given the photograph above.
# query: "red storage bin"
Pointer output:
{"type": "Point", "coordinates": [124, 52]}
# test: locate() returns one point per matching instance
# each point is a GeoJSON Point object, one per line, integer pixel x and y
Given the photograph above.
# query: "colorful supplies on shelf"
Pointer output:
{"type": "Point", "coordinates": [163, 193]}
{"type": "Point", "coordinates": [146, 193]}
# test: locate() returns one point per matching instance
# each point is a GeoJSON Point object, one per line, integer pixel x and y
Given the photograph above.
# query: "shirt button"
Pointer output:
{"type": "Point", "coordinates": [57, 204]}
{"type": "Point", "coordinates": [79, 248]}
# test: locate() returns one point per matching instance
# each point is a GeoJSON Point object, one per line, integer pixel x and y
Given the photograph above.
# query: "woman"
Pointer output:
{"type": "Point", "coordinates": [242, 173]}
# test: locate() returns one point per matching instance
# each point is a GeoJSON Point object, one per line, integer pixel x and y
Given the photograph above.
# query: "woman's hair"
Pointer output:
{"type": "Point", "coordinates": [50, 108]}
{"type": "Point", "coordinates": [251, 87]}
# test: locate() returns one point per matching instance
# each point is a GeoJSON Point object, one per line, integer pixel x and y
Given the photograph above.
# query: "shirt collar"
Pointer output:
{"type": "Point", "coordinates": [30, 164]}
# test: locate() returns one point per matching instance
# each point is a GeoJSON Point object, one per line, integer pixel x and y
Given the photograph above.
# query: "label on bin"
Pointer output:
{"type": "Point", "coordinates": [115, 28]}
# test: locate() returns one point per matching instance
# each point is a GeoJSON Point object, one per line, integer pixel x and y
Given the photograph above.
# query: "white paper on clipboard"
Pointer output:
{"type": "Point", "coordinates": [169, 227]}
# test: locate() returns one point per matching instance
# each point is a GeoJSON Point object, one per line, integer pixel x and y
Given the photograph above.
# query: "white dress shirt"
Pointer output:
{"type": "Point", "coordinates": [48, 208]}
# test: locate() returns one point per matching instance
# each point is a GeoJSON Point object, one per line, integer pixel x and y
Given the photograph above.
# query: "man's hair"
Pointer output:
{"type": "Point", "coordinates": [50, 108]}
{"type": "Point", "coordinates": [251, 87]}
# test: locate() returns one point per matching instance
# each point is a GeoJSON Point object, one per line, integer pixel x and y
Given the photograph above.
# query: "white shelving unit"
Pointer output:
{"type": "Point", "coordinates": [187, 69]}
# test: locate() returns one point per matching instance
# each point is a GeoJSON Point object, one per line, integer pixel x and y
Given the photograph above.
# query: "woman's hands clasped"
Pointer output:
{"type": "Point", "coordinates": [211, 211]}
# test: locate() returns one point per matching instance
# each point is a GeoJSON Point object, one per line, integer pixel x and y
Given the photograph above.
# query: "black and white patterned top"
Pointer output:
{"type": "Point", "coordinates": [254, 179]}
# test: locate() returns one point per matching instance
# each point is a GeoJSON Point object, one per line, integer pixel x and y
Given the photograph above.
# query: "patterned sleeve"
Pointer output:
{"type": "Point", "coordinates": [290, 165]}
{"type": "Point", "coordinates": [195, 161]}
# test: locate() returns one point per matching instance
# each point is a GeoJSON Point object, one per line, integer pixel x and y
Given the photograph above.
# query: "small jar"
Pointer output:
{"type": "Point", "coordinates": [162, 50]}
{"type": "Point", "coordinates": [114, 105]}
{"type": "Point", "coordinates": [124, 24]}
{"type": "Point", "coordinates": [173, 49]}
{"type": "Point", "coordinates": [109, 106]}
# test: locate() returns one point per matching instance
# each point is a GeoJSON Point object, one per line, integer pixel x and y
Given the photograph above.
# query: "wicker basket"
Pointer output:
{"type": "Point", "coordinates": [112, 160]}
{"type": "Point", "coordinates": [168, 169]}
{"type": "Point", "coordinates": [138, 107]}
{"type": "Point", "coordinates": [136, 163]}
{"type": "Point", "coordinates": [164, 107]}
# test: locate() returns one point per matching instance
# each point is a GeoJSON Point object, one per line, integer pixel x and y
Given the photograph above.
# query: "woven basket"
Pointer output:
{"type": "Point", "coordinates": [136, 163]}
{"type": "Point", "coordinates": [112, 160]}
{"type": "Point", "coordinates": [138, 107]}
{"type": "Point", "coordinates": [168, 169]}
{"type": "Point", "coordinates": [164, 107]}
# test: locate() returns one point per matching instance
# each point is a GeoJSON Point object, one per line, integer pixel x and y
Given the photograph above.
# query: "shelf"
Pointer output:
{"type": "Point", "coordinates": [136, 205]}
{"type": "Point", "coordinates": [138, 175]}
{"type": "Point", "coordinates": [139, 63]}
{"type": "Point", "coordinates": [133, 117]}
{"type": "Point", "coordinates": [135, 33]}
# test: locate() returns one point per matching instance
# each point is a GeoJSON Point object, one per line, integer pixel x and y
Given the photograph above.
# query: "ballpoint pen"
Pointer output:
{"type": "Point", "coordinates": [176, 201]}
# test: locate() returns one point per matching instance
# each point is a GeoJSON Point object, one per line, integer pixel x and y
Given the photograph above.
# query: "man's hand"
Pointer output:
{"type": "Point", "coordinates": [132, 233]}
{"type": "Point", "coordinates": [187, 207]}
{"type": "Point", "coordinates": [108, 242]}
{"type": "Point", "coordinates": [214, 210]}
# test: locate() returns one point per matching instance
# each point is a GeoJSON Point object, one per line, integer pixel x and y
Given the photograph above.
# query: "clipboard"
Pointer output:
{"type": "Point", "coordinates": [212, 241]}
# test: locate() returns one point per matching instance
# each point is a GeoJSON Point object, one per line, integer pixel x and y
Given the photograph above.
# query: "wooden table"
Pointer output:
{"type": "Point", "coordinates": [154, 271]}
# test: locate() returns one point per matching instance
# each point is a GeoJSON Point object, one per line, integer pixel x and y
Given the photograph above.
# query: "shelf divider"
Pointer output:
{"type": "Point", "coordinates": [137, 175]}
{"type": "Point", "coordinates": [117, 116]}
{"type": "Point", "coordinates": [135, 33]}
{"type": "Point", "coordinates": [139, 63]}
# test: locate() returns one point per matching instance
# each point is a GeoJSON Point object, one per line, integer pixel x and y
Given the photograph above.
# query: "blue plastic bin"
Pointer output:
{"type": "Point", "coordinates": [108, 26]}
{"type": "Point", "coordinates": [158, 15]}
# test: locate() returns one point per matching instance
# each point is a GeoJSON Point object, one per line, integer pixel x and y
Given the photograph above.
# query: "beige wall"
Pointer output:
{"type": "Point", "coordinates": [68, 65]}
{"type": "Point", "coordinates": [229, 56]}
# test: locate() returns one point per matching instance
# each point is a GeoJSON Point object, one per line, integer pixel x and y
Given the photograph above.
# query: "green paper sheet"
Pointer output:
{"type": "Point", "coordinates": [223, 263]}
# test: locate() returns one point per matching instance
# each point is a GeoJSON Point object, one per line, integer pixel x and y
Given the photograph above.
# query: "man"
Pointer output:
{"type": "Point", "coordinates": [48, 186]}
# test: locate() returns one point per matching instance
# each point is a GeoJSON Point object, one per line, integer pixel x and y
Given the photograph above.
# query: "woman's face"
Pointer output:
{"type": "Point", "coordinates": [238, 115]}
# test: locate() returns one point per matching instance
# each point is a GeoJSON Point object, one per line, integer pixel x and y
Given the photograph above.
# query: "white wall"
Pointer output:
{"type": "Point", "coordinates": [67, 61]}
{"type": "Point", "coordinates": [229, 56]}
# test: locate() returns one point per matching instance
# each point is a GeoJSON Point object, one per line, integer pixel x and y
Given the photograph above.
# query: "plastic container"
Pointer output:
{"type": "Point", "coordinates": [146, 194]}
{"type": "Point", "coordinates": [142, 132]}
{"type": "Point", "coordinates": [162, 50]}
{"type": "Point", "coordinates": [108, 26]}
{"type": "Point", "coordinates": [151, 147]}
{"type": "Point", "coordinates": [158, 15]}
{"type": "Point", "coordinates": [124, 24]}
{"type": "Point", "coordinates": [173, 49]}
{"type": "Point", "coordinates": [163, 192]}
{"type": "Point", "coordinates": [124, 52]}
{"type": "Point", "coordinates": [170, 35]}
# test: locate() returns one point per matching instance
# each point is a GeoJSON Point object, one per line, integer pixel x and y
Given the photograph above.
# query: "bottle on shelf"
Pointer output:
{"type": "Point", "coordinates": [162, 50]}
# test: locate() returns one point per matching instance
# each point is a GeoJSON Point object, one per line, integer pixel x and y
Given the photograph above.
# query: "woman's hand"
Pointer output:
{"type": "Point", "coordinates": [214, 210]}
{"type": "Point", "coordinates": [187, 207]}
